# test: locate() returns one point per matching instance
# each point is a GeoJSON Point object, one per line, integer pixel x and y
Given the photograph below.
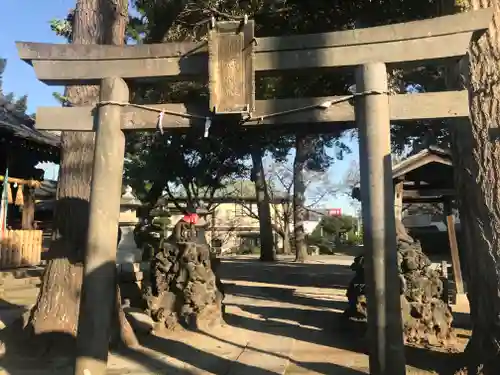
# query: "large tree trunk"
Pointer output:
{"type": "Point", "coordinates": [299, 190]}
{"type": "Point", "coordinates": [263, 206]}
{"type": "Point", "coordinates": [476, 157]}
{"type": "Point", "coordinates": [55, 314]}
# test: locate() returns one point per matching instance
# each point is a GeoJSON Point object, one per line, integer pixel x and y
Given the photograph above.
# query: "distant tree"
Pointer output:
{"type": "Point", "coordinates": [186, 164]}
{"type": "Point", "coordinates": [280, 187]}
{"type": "Point", "coordinates": [21, 104]}
{"type": "Point", "coordinates": [330, 229]}
{"type": "Point", "coordinates": [3, 64]}
{"type": "Point", "coordinates": [9, 97]}
{"type": "Point", "coordinates": [336, 225]}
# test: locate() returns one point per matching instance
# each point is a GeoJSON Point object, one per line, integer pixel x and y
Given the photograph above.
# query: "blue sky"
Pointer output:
{"type": "Point", "coordinates": [20, 77]}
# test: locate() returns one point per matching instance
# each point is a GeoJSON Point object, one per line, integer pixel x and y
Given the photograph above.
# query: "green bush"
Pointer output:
{"type": "Point", "coordinates": [161, 221]}
{"type": "Point", "coordinates": [325, 246]}
{"type": "Point", "coordinates": [354, 239]}
{"type": "Point", "coordinates": [326, 250]}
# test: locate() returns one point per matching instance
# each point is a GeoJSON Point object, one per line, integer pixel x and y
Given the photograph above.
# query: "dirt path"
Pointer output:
{"type": "Point", "coordinates": [281, 318]}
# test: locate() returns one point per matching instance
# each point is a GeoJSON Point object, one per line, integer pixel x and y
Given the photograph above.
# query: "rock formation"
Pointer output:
{"type": "Point", "coordinates": [183, 288]}
{"type": "Point", "coordinates": [427, 318]}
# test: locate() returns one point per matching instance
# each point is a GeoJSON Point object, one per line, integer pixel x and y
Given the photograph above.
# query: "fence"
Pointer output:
{"type": "Point", "coordinates": [20, 248]}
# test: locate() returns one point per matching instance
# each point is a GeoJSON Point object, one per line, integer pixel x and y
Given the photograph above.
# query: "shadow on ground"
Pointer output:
{"type": "Point", "coordinates": [284, 295]}
{"type": "Point", "coordinates": [316, 320]}
{"type": "Point", "coordinates": [213, 364]}
{"type": "Point", "coordinates": [319, 275]}
{"type": "Point", "coordinates": [274, 309]}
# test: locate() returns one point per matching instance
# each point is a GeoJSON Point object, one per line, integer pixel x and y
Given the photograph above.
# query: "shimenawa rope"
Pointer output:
{"type": "Point", "coordinates": [208, 120]}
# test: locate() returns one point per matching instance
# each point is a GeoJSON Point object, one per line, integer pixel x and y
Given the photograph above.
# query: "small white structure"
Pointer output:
{"type": "Point", "coordinates": [429, 220]}
{"type": "Point", "coordinates": [127, 249]}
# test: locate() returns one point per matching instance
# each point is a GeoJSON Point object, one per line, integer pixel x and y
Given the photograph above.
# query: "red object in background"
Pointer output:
{"type": "Point", "coordinates": [191, 218]}
{"type": "Point", "coordinates": [335, 212]}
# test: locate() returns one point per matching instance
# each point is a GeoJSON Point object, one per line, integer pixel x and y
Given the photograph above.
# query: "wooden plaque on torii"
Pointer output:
{"type": "Point", "coordinates": [231, 71]}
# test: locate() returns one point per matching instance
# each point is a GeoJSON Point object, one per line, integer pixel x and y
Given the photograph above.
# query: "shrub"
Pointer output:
{"type": "Point", "coordinates": [247, 250]}
{"type": "Point", "coordinates": [354, 239]}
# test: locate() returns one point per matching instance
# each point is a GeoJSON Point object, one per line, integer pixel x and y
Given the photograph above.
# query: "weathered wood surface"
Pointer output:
{"type": "Point", "coordinates": [402, 107]}
{"type": "Point", "coordinates": [455, 254]}
{"type": "Point", "coordinates": [61, 72]}
{"type": "Point", "coordinates": [432, 39]}
{"type": "Point", "coordinates": [231, 74]}
{"type": "Point", "coordinates": [398, 200]}
{"type": "Point", "coordinates": [429, 193]}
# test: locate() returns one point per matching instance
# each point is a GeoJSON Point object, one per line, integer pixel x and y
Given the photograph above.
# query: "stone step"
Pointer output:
{"type": "Point", "coordinates": [21, 273]}
{"type": "Point", "coordinates": [19, 280]}
{"type": "Point", "coordinates": [29, 282]}
{"type": "Point", "coordinates": [19, 290]}
{"type": "Point", "coordinates": [15, 300]}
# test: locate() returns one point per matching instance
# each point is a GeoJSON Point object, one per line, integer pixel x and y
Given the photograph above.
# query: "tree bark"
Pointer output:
{"type": "Point", "coordinates": [476, 158]}
{"type": "Point", "coordinates": [284, 233]}
{"type": "Point", "coordinates": [299, 189]}
{"type": "Point", "coordinates": [263, 207]}
{"type": "Point", "coordinates": [55, 313]}
{"type": "Point", "coordinates": [287, 246]}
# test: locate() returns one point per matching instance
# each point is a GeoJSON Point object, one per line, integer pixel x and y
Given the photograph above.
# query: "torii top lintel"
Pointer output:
{"type": "Point", "coordinates": [426, 40]}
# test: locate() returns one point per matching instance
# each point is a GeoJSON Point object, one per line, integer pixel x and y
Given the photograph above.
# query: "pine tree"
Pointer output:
{"type": "Point", "coordinates": [3, 64]}
{"type": "Point", "coordinates": [21, 104]}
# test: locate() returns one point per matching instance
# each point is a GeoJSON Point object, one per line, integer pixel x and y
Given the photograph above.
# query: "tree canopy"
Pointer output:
{"type": "Point", "coordinates": [328, 232]}
{"type": "Point", "coordinates": [156, 162]}
{"type": "Point", "coordinates": [199, 165]}
{"type": "Point", "coordinates": [206, 162]}
{"type": "Point", "coordinates": [20, 103]}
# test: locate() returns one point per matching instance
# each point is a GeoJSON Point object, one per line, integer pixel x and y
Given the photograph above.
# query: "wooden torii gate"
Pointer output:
{"type": "Point", "coordinates": [232, 59]}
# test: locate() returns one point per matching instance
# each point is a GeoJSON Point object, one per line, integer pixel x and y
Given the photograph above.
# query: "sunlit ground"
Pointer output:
{"type": "Point", "coordinates": [281, 318]}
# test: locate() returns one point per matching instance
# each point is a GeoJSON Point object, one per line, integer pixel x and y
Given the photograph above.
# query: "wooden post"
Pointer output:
{"type": "Point", "coordinates": [99, 284]}
{"type": "Point", "coordinates": [28, 215]}
{"type": "Point", "coordinates": [455, 256]}
{"type": "Point", "coordinates": [387, 355]}
{"type": "Point", "coordinates": [398, 200]}
{"type": "Point", "coordinates": [212, 229]}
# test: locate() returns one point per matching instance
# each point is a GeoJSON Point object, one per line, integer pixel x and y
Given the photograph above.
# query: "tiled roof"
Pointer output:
{"type": "Point", "coordinates": [22, 126]}
{"type": "Point", "coordinates": [418, 160]}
